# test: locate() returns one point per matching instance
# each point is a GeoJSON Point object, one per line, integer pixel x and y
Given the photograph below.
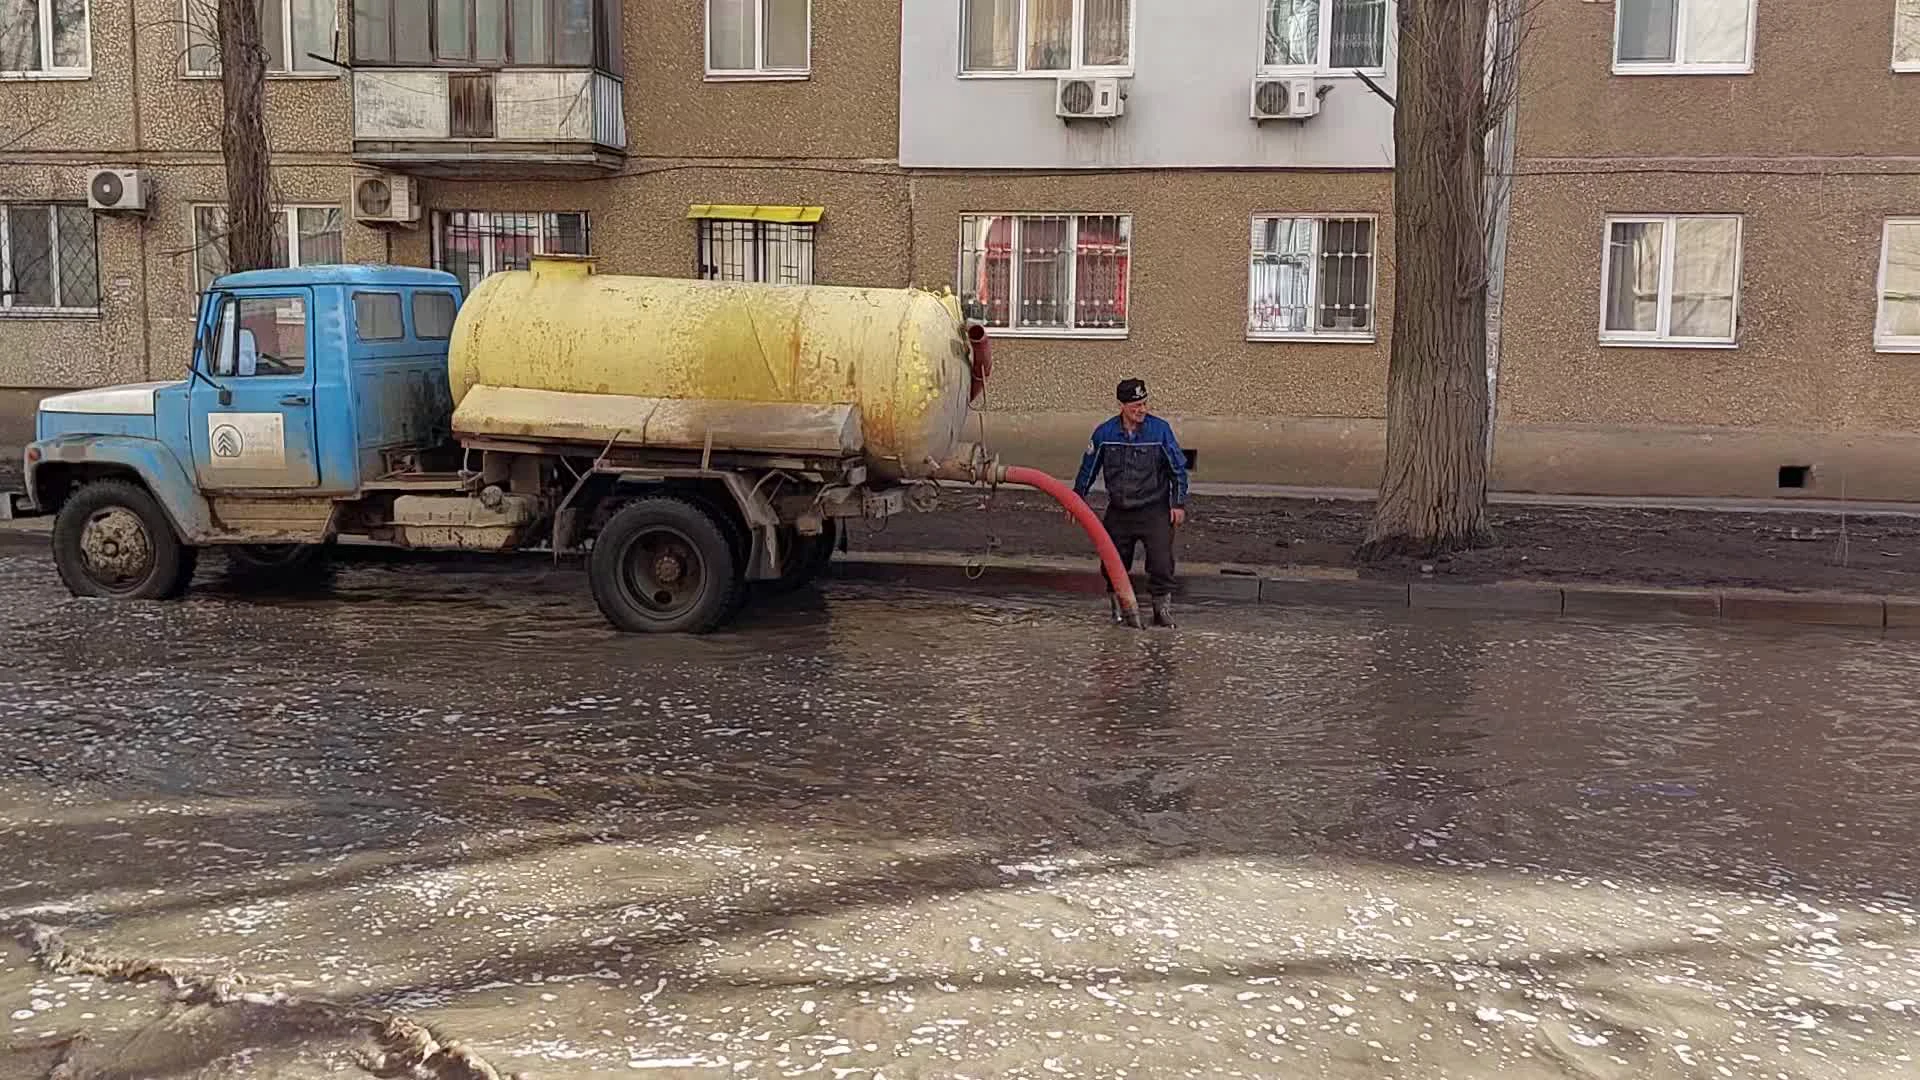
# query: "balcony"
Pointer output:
{"type": "Point", "coordinates": [489, 89]}
{"type": "Point", "coordinates": [514, 123]}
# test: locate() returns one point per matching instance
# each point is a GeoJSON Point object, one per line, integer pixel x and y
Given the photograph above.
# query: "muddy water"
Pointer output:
{"type": "Point", "coordinates": [920, 835]}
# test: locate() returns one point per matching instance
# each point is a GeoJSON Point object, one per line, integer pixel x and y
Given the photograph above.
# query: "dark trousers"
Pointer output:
{"type": "Point", "coordinates": [1151, 525]}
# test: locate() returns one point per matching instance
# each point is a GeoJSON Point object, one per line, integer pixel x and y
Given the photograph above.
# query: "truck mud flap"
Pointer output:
{"type": "Point", "coordinates": [14, 505]}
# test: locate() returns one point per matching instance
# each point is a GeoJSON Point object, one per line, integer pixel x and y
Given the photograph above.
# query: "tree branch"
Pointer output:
{"type": "Point", "coordinates": [1378, 90]}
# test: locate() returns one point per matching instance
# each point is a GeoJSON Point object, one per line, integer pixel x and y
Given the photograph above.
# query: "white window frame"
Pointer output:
{"type": "Point", "coordinates": [1883, 341]}
{"type": "Point", "coordinates": [760, 72]}
{"type": "Point", "coordinates": [1661, 336]}
{"type": "Point", "coordinates": [1071, 302]}
{"type": "Point", "coordinates": [48, 72]}
{"type": "Point", "coordinates": [11, 310]}
{"type": "Point", "coordinates": [1679, 65]}
{"type": "Point", "coordinates": [290, 215]}
{"type": "Point", "coordinates": [1348, 337]}
{"type": "Point", "coordinates": [1321, 65]}
{"type": "Point", "coordinates": [1899, 65]}
{"type": "Point", "coordinates": [188, 71]}
{"type": "Point", "coordinates": [1078, 68]}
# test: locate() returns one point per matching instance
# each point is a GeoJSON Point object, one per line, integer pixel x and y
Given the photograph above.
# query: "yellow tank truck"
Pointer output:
{"type": "Point", "coordinates": [688, 437]}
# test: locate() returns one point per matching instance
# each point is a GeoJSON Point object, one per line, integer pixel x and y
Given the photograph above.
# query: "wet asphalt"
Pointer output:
{"type": "Point", "coordinates": [880, 833]}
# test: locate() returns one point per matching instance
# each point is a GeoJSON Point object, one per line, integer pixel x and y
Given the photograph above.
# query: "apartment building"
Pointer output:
{"type": "Point", "coordinates": [1713, 274]}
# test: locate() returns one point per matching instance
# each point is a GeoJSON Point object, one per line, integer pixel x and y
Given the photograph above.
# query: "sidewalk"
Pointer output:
{"type": "Point", "coordinates": [1833, 507]}
{"type": "Point", "coordinates": [1713, 546]}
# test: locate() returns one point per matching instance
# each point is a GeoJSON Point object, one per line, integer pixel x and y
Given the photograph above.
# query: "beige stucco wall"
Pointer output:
{"type": "Point", "coordinates": [1822, 84]}
{"type": "Point", "coordinates": [146, 269]}
{"type": "Point", "coordinates": [639, 223]}
{"type": "Point", "coordinates": [137, 86]}
{"type": "Point", "coordinates": [847, 108]}
{"type": "Point", "coordinates": [1187, 295]}
{"type": "Point", "coordinates": [1805, 361]}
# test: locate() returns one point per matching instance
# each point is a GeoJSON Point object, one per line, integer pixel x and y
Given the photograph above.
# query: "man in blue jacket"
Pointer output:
{"type": "Point", "coordinates": [1145, 473]}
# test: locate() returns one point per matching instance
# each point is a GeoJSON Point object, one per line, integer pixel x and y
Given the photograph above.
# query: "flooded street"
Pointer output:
{"type": "Point", "coordinates": [936, 835]}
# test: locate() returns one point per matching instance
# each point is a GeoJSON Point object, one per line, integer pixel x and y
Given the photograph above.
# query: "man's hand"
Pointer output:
{"type": "Point", "coordinates": [1179, 516]}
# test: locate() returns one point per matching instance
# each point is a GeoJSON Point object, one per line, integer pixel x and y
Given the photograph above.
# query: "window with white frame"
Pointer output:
{"type": "Point", "coordinates": [1897, 326]}
{"type": "Point", "coordinates": [302, 236]}
{"type": "Point", "coordinates": [293, 32]}
{"type": "Point", "coordinates": [1702, 37]}
{"type": "Point", "coordinates": [1671, 279]}
{"type": "Point", "coordinates": [1325, 35]}
{"type": "Point", "coordinates": [747, 38]}
{"type": "Point", "coordinates": [1311, 277]}
{"type": "Point", "coordinates": [774, 252]}
{"type": "Point", "coordinates": [44, 37]}
{"type": "Point", "coordinates": [1048, 275]}
{"type": "Point", "coordinates": [49, 260]}
{"type": "Point", "coordinates": [1020, 36]}
{"type": "Point", "coordinates": [470, 244]}
{"type": "Point", "coordinates": [1906, 35]}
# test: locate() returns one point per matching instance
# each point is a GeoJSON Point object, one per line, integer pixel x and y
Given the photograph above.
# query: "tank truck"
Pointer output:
{"type": "Point", "coordinates": [687, 437]}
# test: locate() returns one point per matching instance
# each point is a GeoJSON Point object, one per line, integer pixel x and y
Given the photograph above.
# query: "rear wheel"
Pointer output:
{"type": "Point", "coordinates": [111, 539]}
{"type": "Point", "coordinates": [664, 566]}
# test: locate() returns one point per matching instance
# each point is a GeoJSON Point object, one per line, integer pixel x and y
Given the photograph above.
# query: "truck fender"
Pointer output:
{"type": "Point", "coordinates": [147, 459]}
{"type": "Point", "coordinates": [743, 495]}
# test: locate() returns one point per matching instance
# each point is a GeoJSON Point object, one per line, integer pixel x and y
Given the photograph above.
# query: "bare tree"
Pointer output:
{"type": "Point", "coordinates": [243, 136]}
{"type": "Point", "coordinates": [1457, 76]}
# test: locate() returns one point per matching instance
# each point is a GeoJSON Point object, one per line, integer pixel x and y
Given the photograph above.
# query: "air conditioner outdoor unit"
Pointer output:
{"type": "Point", "coordinates": [1285, 99]}
{"type": "Point", "coordinates": [118, 190]}
{"type": "Point", "coordinates": [386, 199]}
{"type": "Point", "coordinates": [1088, 99]}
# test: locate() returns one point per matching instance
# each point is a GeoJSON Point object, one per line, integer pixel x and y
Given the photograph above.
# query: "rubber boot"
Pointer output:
{"type": "Point", "coordinates": [1163, 611]}
{"type": "Point", "coordinates": [1113, 606]}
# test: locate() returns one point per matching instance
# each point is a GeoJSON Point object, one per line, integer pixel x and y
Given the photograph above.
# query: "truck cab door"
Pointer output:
{"type": "Point", "coordinates": [251, 417]}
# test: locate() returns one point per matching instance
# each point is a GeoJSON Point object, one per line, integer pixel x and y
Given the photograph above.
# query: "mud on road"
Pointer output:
{"type": "Point", "coordinates": [891, 834]}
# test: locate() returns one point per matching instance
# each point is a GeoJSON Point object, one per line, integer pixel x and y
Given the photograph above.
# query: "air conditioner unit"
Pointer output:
{"type": "Point", "coordinates": [1285, 99]}
{"type": "Point", "coordinates": [386, 199]}
{"type": "Point", "coordinates": [1088, 99]}
{"type": "Point", "coordinates": [118, 190]}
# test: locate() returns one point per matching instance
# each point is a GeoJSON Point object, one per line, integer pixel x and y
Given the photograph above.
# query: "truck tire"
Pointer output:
{"type": "Point", "coordinates": [664, 566]}
{"type": "Point", "coordinates": [111, 539]}
{"type": "Point", "coordinates": [802, 558]}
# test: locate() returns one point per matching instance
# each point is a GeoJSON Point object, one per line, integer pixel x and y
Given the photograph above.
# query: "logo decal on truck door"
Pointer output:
{"type": "Point", "coordinates": [247, 440]}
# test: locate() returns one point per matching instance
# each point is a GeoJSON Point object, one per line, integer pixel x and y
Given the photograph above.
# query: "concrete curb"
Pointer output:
{"type": "Point", "coordinates": [1248, 585]}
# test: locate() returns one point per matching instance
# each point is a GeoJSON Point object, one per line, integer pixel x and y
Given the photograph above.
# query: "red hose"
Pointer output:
{"type": "Point", "coordinates": [1102, 543]}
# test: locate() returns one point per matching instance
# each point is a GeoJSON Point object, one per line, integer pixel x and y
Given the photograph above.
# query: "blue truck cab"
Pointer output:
{"type": "Point", "coordinates": [307, 389]}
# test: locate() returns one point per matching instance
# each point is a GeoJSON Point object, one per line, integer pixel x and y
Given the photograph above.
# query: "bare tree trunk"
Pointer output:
{"type": "Point", "coordinates": [1433, 492]}
{"type": "Point", "coordinates": [243, 136]}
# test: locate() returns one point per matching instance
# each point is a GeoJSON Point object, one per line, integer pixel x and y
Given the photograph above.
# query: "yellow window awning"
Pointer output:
{"type": "Point", "coordinates": [788, 214]}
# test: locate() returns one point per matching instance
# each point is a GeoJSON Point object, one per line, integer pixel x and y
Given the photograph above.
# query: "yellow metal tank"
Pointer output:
{"type": "Point", "coordinates": [900, 356]}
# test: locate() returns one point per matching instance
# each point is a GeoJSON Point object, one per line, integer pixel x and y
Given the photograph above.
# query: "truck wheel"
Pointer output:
{"type": "Point", "coordinates": [664, 566]}
{"type": "Point", "coordinates": [111, 539]}
{"type": "Point", "coordinates": [802, 558]}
